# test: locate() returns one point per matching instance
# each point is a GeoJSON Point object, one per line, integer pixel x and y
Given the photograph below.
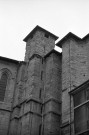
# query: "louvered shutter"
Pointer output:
{"type": "Point", "coordinates": [3, 84]}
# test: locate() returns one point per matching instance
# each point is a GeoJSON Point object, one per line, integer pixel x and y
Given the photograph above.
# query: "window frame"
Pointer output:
{"type": "Point", "coordinates": [1, 87]}
{"type": "Point", "coordinates": [8, 73]}
{"type": "Point", "coordinates": [75, 108]}
{"type": "Point", "coordinates": [84, 86]}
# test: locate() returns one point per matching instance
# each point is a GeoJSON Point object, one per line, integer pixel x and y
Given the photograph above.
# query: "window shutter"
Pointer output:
{"type": "Point", "coordinates": [3, 84]}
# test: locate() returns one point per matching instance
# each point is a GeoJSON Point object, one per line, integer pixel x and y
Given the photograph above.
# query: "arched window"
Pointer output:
{"type": "Point", "coordinates": [3, 84]}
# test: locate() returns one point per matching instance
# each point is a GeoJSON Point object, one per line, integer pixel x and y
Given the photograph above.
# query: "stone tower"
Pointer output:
{"type": "Point", "coordinates": [36, 105]}
{"type": "Point", "coordinates": [40, 94]}
{"type": "Point", "coordinates": [39, 41]}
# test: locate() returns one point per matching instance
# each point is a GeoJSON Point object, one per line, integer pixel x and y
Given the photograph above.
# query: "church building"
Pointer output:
{"type": "Point", "coordinates": [47, 93]}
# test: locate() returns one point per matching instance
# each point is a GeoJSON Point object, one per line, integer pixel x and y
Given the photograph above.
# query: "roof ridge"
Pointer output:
{"type": "Point", "coordinates": [71, 35]}
{"type": "Point", "coordinates": [36, 28]}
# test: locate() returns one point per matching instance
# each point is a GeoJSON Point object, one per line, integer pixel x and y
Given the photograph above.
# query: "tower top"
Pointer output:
{"type": "Point", "coordinates": [41, 29]}
{"type": "Point", "coordinates": [71, 35]}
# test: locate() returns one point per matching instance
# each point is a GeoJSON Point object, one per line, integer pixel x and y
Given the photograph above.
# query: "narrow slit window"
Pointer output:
{"type": "Point", "coordinates": [41, 75]}
{"type": "Point", "coordinates": [3, 84]}
{"type": "Point", "coordinates": [40, 93]}
{"type": "Point", "coordinates": [40, 129]}
{"type": "Point", "coordinates": [41, 109]}
{"type": "Point", "coordinates": [42, 60]}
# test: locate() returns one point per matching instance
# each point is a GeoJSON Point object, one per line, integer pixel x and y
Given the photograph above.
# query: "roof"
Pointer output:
{"type": "Point", "coordinates": [9, 60]}
{"type": "Point", "coordinates": [87, 36]}
{"type": "Point", "coordinates": [53, 51]}
{"type": "Point", "coordinates": [70, 35]}
{"type": "Point", "coordinates": [39, 28]}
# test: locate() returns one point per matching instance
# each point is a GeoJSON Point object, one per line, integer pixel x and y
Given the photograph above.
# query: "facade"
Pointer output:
{"type": "Point", "coordinates": [48, 92]}
{"type": "Point", "coordinates": [75, 84]}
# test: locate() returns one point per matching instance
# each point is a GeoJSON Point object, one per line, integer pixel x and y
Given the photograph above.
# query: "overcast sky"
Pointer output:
{"type": "Point", "coordinates": [19, 17]}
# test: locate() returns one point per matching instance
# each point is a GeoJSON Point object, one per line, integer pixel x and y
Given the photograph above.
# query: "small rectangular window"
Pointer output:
{"type": "Point", "coordinates": [46, 35]}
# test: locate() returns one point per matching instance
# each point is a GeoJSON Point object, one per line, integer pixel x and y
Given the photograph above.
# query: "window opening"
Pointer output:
{"type": "Point", "coordinates": [42, 60]}
{"type": "Point", "coordinates": [41, 109]}
{"type": "Point", "coordinates": [3, 84]}
{"type": "Point", "coordinates": [81, 111]}
{"type": "Point", "coordinates": [46, 35]}
{"type": "Point", "coordinates": [40, 93]}
{"type": "Point", "coordinates": [41, 75]}
{"type": "Point", "coordinates": [40, 126]}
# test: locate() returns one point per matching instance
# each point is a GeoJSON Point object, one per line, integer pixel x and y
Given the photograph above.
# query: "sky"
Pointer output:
{"type": "Point", "coordinates": [19, 17]}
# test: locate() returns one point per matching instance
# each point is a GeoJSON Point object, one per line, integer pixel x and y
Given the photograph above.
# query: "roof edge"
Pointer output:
{"type": "Point", "coordinates": [71, 35]}
{"type": "Point", "coordinates": [10, 60]}
{"type": "Point", "coordinates": [65, 38]}
{"type": "Point", "coordinates": [40, 28]}
{"type": "Point", "coordinates": [53, 51]}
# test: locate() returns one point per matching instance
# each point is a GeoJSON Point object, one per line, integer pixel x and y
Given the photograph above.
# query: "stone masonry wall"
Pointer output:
{"type": "Point", "coordinates": [75, 71]}
{"type": "Point", "coordinates": [30, 113]}
{"type": "Point", "coordinates": [52, 95]}
{"type": "Point", "coordinates": [6, 105]}
{"type": "Point", "coordinates": [13, 130]}
{"type": "Point", "coordinates": [39, 44]}
{"type": "Point", "coordinates": [65, 88]}
{"type": "Point", "coordinates": [26, 116]}
{"type": "Point", "coordinates": [37, 102]}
